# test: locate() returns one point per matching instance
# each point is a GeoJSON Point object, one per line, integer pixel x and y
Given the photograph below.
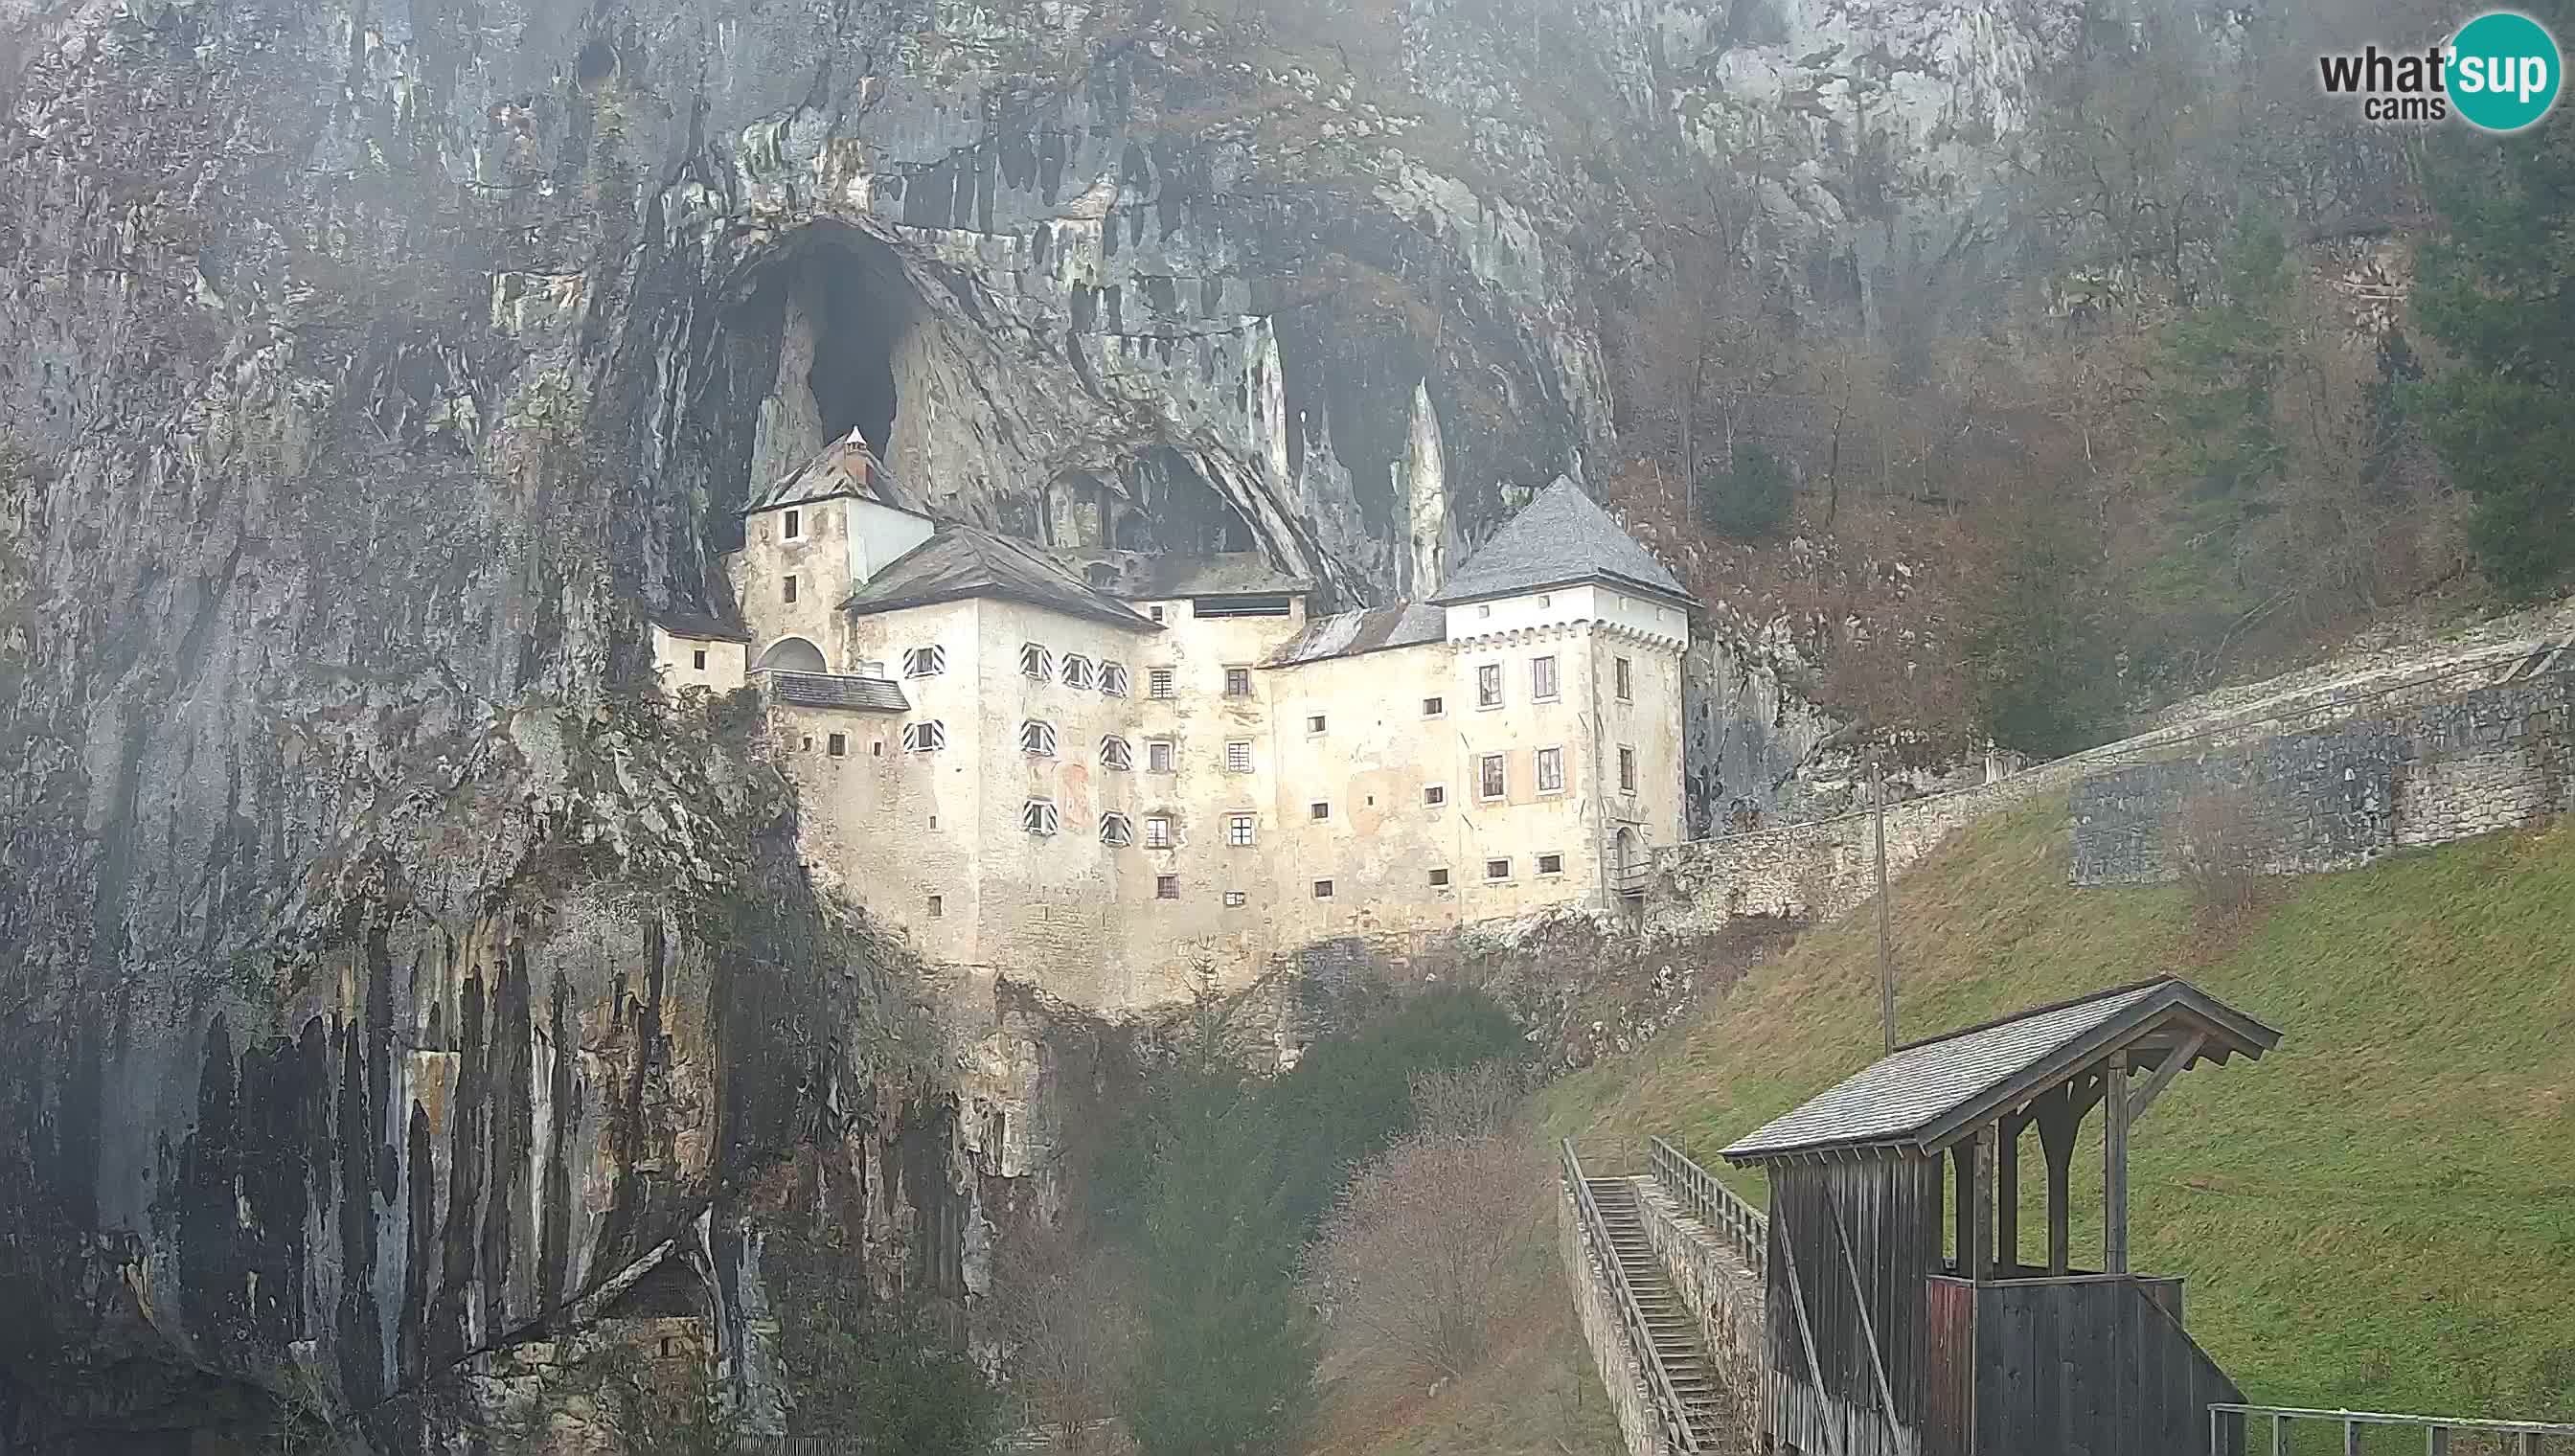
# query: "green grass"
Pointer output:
{"type": "Point", "coordinates": [2379, 1214]}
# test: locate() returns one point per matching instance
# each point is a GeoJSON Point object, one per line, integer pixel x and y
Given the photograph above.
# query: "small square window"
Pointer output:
{"type": "Point", "coordinates": [1319, 810]}
{"type": "Point", "coordinates": [1160, 755]}
{"type": "Point", "coordinates": [1498, 869]}
{"type": "Point", "coordinates": [1237, 829]}
{"type": "Point", "coordinates": [1157, 681]}
{"type": "Point", "coordinates": [1432, 707]}
{"type": "Point", "coordinates": [1238, 756]}
{"type": "Point", "coordinates": [789, 586]}
{"type": "Point", "coordinates": [840, 746]}
{"type": "Point", "coordinates": [1626, 771]}
{"type": "Point", "coordinates": [1489, 780]}
{"type": "Point", "coordinates": [876, 748]}
{"type": "Point", "coordinates": [1438, 880]}
{"type": "Point", "coordinates": [1238, 682]}
{"type": "Point", "coordinates": [795, 523]}
{"type": "Point", "coordinates": [1436, 794]}
{"type": "Point", "coordinates": [1542, 679]}
{"type": "Point", "coordinates": [1484, 611]}
{"type": "Point", "coordinates": [1551, 865]}
{"type": "Point", "coordinates": [1166, 887]}
{"type": "Point", "coordinates": [938, 906]}
{"type": "Point", "coordinates": [1233, 900]}
{"type": "Point", "coordinates": [1314, 723]}
{"type": "Point", "coordinates": [1158, 831]}
{"type": "Point", "coordinates": [1489, 685]}
{"type": "Point", "coordinates": [697, 659]}
{"type": "Point", "coordinates": [1625, 675]}
{"type": "Point", "coordinates": [1323, 889]}
{"type": "Point", "coordinates": [1158, 613]}
{"type": "Point", "coordinates": [1544, 600]}
{"type": "Point", "coordinates": [808, 742]}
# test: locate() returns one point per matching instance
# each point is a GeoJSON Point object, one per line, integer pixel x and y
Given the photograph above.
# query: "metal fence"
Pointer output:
{"type": "Point", "coordinates": [1712, 1203]}
{"type": "Point", "coordinates": [2307, 1431]}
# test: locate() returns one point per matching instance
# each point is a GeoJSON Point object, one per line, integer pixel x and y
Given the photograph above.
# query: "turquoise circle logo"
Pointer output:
{"type": "Point", "coordinates": [2502, 72]}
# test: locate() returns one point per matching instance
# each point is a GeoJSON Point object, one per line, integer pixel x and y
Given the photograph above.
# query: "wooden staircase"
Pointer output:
{"type": "Point", "coordinates": [1669, 1325]}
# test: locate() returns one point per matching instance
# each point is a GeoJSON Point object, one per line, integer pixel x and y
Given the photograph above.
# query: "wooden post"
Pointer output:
{"type": "Point", "coordinates": [2007, 1195]}
{"type": "Point", "coordinates": [2058, 1116]}
{"type": "Point", "coordinates": [1964, 1155]}
{"type": "Point", "coordinates": [1987, 1140]}
{"type": "Point", "coordinates": [2114, 1169]}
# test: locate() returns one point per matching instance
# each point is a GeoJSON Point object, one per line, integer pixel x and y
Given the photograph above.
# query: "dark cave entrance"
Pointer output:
{"type": "Point", "coordinates": [860, 307]}
{"type": "Point", "coordinates": [836, 317]}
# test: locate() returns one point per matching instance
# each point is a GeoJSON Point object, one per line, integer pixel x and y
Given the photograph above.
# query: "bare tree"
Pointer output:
{"type": "Point", "coordinates": [1073, 1329]}
{"type": "Point", "coordinates": [2216, 845]}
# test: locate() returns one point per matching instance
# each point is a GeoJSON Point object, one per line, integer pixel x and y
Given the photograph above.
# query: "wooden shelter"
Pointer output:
{"type": "Point", "coordinates": [1890, 1337]}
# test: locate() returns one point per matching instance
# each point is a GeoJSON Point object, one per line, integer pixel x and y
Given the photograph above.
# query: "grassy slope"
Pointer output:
{"type": "Point", "coordinates": [2380, 1214]}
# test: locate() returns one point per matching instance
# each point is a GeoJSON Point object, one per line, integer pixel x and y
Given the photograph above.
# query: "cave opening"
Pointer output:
{"type": "Point", "coordinates": [845, 315]}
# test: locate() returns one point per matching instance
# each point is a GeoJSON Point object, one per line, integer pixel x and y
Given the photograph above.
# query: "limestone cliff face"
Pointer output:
{"type": "Point", "coordinates": [383, 973]}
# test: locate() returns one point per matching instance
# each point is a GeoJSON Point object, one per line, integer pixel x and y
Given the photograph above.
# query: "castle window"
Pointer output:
{"type": "Point", "coordinates": [1435, 795]}
{"type": "Point", "coordinates": [1037, 737]}
{"type": "Point", "coordinates": [1624, 673]}
{"type": "Point", "coordinates": [1036, 662]}
{"type": "Point", "coordinates": [1544, 601]}
{"type": "Point", "coordinates": [788, 587]}
{"type": "Point", "coordinates": [1440, 879]}
{"type": "Point", "coordinates": [1237, 829]}
{"type": "Point", "coordinates": [1158, 683]}
{"type": "Point", "coordinates": [1158, 612]}
{"type": "Point", "coordinates": [1166, 887]}
{"type": "Point", "coordinates": [840, 746]}
{"type": "Point", "coordinates": [1160, 755]}
{"type": "Point", "coordinates": [1233, 900]}
{"type": "Point", "coordinates": [1498, 869]}
{"type": "Point", "coordinates": [1077, 671]}
{"type": "Point", "coordinates": [1490, 782]}
{"type": "Point", "coordinates": [1113, 753]}
{"type": "Point", "coordinates": [1113, 678]}
{"type": "Point", "coordinates": [1158, 831]}
{"type": "Point", "coordinates": [1319, 811]}
{"type": "Point", "coordinates": [1551, 770]}
{"type": "Point", "coordinates": [1314, 723]}
{"type": "Point", "coordinates": [1551, 865]}
{"type": "Point", "coordinates": [1434, 707]}
{"type": "Point", "coordinates": [938, 906]}
{"type": "Point", "coordinates": [1626, 771]}
{"type": "Point", "coordinates": [1238, 682]}
{"type": "Point", "coordinates": [1038, 816]}
{"type": "Point", "coordinates": [697, 659]}
{"type": "Point", "coordinates": [1489, 685]}
{"type": "Point", "coordinates": [1238, 756]}
{"type": "Point", "coordinates": [1323, 889]}
{"type": "Point", "coordinates": [795, 525]}
{"type": "Point", "coordinates": [927, 662]}
{"type": "Point", "coordinates": [1542, 679]}
{"type": "Point", "coordinates": [925, 738]}
{"type": "Point", "coordinates": [1115, 832]}
{"type": "Point", "coordinates": [808, 742]}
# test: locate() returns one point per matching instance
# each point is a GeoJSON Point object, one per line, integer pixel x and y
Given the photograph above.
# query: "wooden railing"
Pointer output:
{"type": "Point", "coordinates": [1744, 1228]}
{"type": "Point", "coordinates": [1668, 1410]}
{"type": "Point", "coordinates": [2521, 1438]}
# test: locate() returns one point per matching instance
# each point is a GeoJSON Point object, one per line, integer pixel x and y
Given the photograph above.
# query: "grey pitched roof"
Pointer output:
{"type": "Point", "coordinates": [958, 561]}
{"type": "Point", "coordinates": [1932, 1093]}
{"type": "Point", "coordinates": [1405, 625]}
{"type": "Point", "coordinates": [1167, 576]}
{"type": "Point", "coordinates": [698, 626]}
{"type": "Point", "coordinates": [845, 467]}
{"type": "Point", "coordinates": [836, 689]}
{"type": "Point", "coordinates": [1561, 538]}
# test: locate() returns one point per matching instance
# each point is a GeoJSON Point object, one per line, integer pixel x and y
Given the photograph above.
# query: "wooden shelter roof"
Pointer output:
{"type": "Point", "coordinates": [1933, 1092]}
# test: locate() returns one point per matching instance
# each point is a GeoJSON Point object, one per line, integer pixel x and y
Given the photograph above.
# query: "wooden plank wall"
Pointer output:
{"type": "Point", "coordinates": [2097, 1366]}
{"type": "Point", "coordinates": [1887, 1212]}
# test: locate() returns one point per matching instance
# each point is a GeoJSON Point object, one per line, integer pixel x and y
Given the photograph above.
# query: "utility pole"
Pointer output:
{"type": "Point", "coordinates": [1885, 953]}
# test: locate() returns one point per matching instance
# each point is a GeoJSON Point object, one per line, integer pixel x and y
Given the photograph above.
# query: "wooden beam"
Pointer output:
{"type": "Point", "coordinates": [2008, 1193]}
{"type": "Point", "coordinates": [2059, 1117]}
{"type": "Point", "coordinates": [2175, 1062]}
{"type": "Point", "coordinates": [2114, 1169]}
{"type": "Point", "coordinates": [1963, 1156]}
{"type": "Point", "coordinates": [1867, 1329]}
{"type": "Point", "coordinates": [1987, 1138]}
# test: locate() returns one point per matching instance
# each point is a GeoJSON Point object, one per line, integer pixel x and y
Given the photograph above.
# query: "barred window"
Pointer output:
{"type": "Point", "coordinates": [1157, 681]}
{"type": "Point", "coordinates": [1114, 830]}
{"type": "Point", "coordinates": [927, 662]}
{"type": "Point", "coordinates": [1237, 829]}
{"type": "Point", "coordinates": [1036, 662]}
{"type": "Point", "coordinates": [1238, 756]}
{"type": "Point", "coordinates": [1038, 816]}
{"type": "Point", "coordinates": [1238, 682]}
{"type": "Point", "coordinates": [1037, 736]}
{"type": "Point", "coordinates": [925, 738]}
{"type": "Point", "coordinates": [1160, 755]}
{"type": "Point", "coordinates": [1113, 753]}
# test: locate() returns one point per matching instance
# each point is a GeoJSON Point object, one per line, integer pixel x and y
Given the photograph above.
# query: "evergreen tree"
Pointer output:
{"type": "Point", "coordinates": [2042, 649]}
{"type": "Point", "coordinates": [2498, 290]}
{"type": "Point", "coordinates": [1749, 497]}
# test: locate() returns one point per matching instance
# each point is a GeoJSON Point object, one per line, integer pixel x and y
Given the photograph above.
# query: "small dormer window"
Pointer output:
{"type": "Point", "coordinates": [795, 525]}
{"type": "Point", "coordinates": [788, 589]}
